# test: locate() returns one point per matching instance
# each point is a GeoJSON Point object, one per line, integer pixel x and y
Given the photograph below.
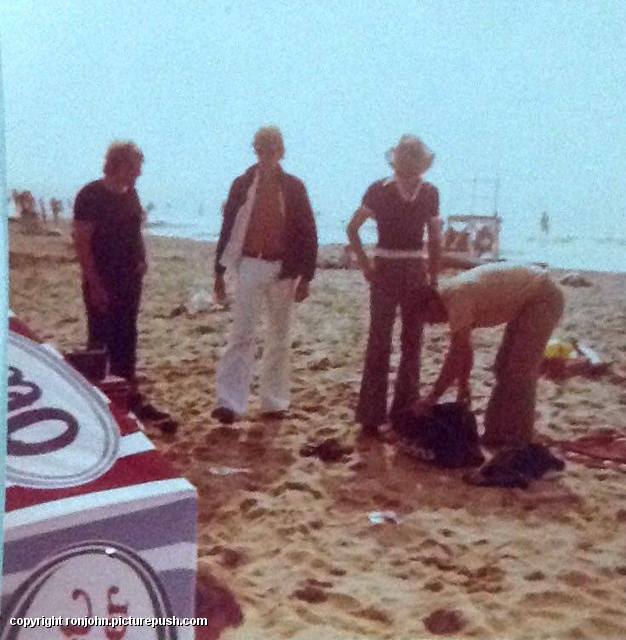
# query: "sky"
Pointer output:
{"type": "Point", "coordinates": [531, 94]}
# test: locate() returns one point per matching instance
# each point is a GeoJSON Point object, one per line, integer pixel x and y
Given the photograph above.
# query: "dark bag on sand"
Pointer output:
{"type": "Point", "coordinates": [447, 436]}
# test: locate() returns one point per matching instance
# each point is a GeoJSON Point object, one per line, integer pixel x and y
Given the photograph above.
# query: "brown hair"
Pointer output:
{"type": "Point", "coordinates": [120, 153]}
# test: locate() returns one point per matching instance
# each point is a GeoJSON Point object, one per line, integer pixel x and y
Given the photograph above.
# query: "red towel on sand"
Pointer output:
{"type": "Point", "coordinates": [604, 448]}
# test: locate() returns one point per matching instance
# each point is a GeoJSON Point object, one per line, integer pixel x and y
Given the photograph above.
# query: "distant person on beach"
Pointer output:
{"type": "Point", "coordinates": [347, 257]}
{"type": "Point", "coordinates": [484, 241]}
{"type": "Point", "coordinates": [111, 252]}
{"type": "Point", "coordinates": [403, 207]}
{"type": "Point", "coordinates": [530, 304]}
{"type": "Point", "coordinates": [16, 196]}
{"type": "Point", "coordinates": [268, 241]}
{"type": "Point", "coordinates": [42, 211]}
{"type": "Point", "coordinates": [545, 223]}
{"type": "Point", "coordinates": [28, 212]}
{"type": "Point", "coordinates": [56, 206]}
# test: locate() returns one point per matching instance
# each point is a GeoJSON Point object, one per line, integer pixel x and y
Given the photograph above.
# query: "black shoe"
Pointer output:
{"type": "Point", "coordinates": [369, 431]}
{"type": "Point", "coordinates": [150, 412]}
{"type": "Point", "coordinates": [135, 402]}
{"type": "Point", "coordinates": [168, 426]}
{"type": "Point", "coordinates": [224, 415]}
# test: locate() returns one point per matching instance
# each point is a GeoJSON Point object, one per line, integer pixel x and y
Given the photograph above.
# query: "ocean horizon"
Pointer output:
{"type": "Point", "coordinates": [601, 253]}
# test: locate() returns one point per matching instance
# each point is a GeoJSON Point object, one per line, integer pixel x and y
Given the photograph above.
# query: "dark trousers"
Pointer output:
{"type": "Point", "coordinates": [397, 284]}
{"type": "Point", "coordinates": [115, 329]}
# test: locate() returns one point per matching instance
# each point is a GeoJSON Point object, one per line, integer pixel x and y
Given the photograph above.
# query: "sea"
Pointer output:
{"type": "Point", "coordinates": [573, 252]}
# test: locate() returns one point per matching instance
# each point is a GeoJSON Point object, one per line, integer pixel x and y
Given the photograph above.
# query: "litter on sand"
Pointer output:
{"type": "Point", "coordinates": [227, 471]}
{"type": "Point", "coordinates": [383, 517]}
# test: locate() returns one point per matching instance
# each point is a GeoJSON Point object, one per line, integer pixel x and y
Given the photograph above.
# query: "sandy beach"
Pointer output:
{"type": "Point", "coordinates": [289, 535]}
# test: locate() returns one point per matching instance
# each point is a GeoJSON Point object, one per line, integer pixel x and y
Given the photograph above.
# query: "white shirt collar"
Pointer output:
{"type": "Point", "coordinates": [407, 197]}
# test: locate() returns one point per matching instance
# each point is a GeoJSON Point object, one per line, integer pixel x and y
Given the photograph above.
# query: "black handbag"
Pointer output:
{"type": "Point", "coordinates": [447, 436]}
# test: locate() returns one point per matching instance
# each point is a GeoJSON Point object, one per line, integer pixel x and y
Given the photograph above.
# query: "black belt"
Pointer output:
{"type": "Point", "coordinates": [262, 255]}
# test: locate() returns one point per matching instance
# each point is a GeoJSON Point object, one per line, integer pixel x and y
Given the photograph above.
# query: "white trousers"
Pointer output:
{"type": "Point", "coordinates": [257, 282]}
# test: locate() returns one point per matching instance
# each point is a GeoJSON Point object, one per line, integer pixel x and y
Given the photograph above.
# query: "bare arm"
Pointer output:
{"type": "Point", "coordinates": [465, 369]}
{"type": "Point", "coordinates": [434, 250]}
{"type": "Point", "coordinates": [456, 366]}
{"type": "Point", "coordinates": [358, 220]}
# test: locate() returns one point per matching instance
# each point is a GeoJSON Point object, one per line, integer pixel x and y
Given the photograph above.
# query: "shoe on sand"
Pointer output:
{"type": "Point", "coordinates": [150, 412]}
{"type": "Point", "coordinates": [369, 431]}
{"type": "Point", "coordinates": [167, 425]}
{"type": "Point", "coordinates": [224, 415]}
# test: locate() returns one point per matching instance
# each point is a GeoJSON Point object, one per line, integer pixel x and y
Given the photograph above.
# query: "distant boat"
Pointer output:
{"type": "Point", "coordinates": [471, 240]}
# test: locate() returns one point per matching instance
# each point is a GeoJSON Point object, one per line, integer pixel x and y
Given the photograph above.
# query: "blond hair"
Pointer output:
{"type": "Point", "coordinates": [120, 153]}
{"type": "Point", "coordinates": [268, 138]}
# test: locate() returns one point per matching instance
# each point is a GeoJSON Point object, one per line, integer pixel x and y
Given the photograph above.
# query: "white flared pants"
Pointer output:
{"type": "Point", "coordinates": [257, 284]}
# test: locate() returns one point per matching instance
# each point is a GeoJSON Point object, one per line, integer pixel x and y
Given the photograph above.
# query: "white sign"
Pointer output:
{"type": "Point", "coordinates": [60, 432]}
{"type": "Point", "coordinates": [93, 590]}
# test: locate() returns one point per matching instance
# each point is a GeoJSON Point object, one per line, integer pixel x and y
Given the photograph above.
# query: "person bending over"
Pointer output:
{"type": "Point", "coordinates": [530, 304]}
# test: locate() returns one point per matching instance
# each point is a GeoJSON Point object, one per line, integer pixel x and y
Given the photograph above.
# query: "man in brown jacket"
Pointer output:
{"type": "Point", "coordinates": [269, 240]}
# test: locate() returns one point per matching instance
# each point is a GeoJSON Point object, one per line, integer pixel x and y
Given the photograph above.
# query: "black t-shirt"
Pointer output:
{"type": "Point", "coordinates": [401, 222]}
{"type": "Point", "coordinates": [117, 243]}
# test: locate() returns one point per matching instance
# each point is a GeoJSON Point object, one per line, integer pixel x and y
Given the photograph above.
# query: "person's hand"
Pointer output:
{"type": "Point", "coordinates": [424, 405]}
{"type": "Point", "coordinates": [99, 296]}
{"type": "Point", "coordinates": [302, 290]}
{"type": "Point", "coordinates": [219, 289]}
{"type": "Point", "coordinates": [369, 271]}
{"type": "Point", "coordinates": [141, 268]}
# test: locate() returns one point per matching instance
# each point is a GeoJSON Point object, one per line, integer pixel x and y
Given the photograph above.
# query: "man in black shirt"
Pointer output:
{"type": "Point", "coordinates": [111, 252]}
{"type": "Point", "coordinates": [403, 207]}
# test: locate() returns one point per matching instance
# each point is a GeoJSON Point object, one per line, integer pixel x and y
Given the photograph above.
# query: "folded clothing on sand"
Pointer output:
{"type": "Point", "coordinates": [516, 467]}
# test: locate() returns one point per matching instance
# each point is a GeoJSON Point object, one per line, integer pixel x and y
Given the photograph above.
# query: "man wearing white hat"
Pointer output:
{"type": "Point", "coordinates": [403, 207]}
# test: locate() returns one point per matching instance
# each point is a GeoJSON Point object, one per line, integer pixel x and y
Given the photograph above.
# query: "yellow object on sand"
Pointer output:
{"type": "Point", "coordinates": [559, 349]}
